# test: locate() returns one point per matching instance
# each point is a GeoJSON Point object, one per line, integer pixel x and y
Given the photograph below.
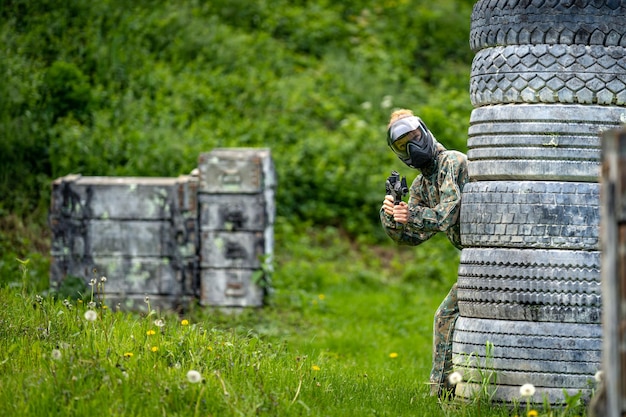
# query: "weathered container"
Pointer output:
{"type": "Point", "coordinates": [236, 209]}
{"type": "Point", "coordinates": [206, 237]}
{"type": "Point", "coordinates": [140, 233]}
{"type": "Point", "coordinates": [237, 171]}
{"type": "Point", "coordinates": [232, 287]}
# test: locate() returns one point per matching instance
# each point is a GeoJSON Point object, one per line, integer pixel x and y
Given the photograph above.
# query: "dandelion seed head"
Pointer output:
{"type": "Point", "coordinates": [599, 376]}
{"type": "Point", "coordinates": [91, 304]}
{"type": "Point", "coordinates": [194, 376]}
{"type": "Point", "coordinates": [56, 354]}
{"type": "Point", "coordinates": [159, 323]}
{"type": "Point", "coordinates": [103, 279]}
{"type": "Point", "coordinates": [455, 377]}
{"type": "Point", "coordinates": [91, 315]}
{"type": "Point", "coordinates": [527, 390]}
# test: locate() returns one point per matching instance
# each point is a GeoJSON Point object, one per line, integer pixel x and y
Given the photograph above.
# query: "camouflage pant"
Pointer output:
{"type": "Point", "coordinates": [443, 327]}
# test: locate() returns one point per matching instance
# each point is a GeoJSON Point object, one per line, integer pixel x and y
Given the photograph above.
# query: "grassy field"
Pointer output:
{"type": "Point", "coordinates": [345, 352]}
{"type": "Point", "coordinates": [347, 331]}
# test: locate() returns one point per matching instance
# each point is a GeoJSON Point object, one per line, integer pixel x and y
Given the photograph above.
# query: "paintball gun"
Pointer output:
{"type": "Point", "coordinates": [396, 187]}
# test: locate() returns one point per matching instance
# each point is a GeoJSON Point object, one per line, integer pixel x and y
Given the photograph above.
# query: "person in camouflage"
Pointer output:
{"type": "Point", "coordinates": [434, 206]}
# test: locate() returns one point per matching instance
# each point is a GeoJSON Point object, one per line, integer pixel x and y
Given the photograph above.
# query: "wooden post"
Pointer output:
{"type": "Point", "coordinates": [611, 401]}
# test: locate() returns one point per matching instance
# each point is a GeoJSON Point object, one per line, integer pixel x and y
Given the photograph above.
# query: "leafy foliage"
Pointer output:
{"type": "Point", "coordinates": [111, 89]}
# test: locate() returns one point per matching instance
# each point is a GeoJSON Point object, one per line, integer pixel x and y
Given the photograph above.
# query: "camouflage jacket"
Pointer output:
{"type": "Point", "coordinates": [434, 202]}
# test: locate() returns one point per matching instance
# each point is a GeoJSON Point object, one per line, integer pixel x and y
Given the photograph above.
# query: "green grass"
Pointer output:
{"type": "Point", "coordinates": [345, 333]}
{"type": "Point", "coordinates": [331, 357]}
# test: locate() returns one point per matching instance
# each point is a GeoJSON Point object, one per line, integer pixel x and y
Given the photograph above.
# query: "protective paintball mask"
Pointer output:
{"type": "Point", "coordinates": [411, 141]}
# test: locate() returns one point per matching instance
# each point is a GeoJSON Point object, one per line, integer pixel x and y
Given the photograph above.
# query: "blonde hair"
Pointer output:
{"type": "Point", "coordinates": [399, 114]}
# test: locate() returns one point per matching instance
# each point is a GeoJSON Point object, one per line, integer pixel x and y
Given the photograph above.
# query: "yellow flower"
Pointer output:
{"type": "Point", "coordinates": [393, 355]}
{"type": "Point", "coordinates": [210, 348]}
{"type": "Point", "coordinates": [154, 348]}
{"type": "Point", "coordinates": [185, 322]}
{"type": "Point", "coordinates": [150, 332]}
{"type": "Point", "coordinates": [321, 296]}
{"type": "Point", "coordinates": [315, 368]}
{"type": "Point", "coordinates": [532, 413]}
{"type": "Point", "coordinates": [128, 354]}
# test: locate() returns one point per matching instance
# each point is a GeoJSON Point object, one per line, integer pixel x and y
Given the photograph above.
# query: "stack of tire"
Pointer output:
{"type": "Point", "coordinates": [547, 78]}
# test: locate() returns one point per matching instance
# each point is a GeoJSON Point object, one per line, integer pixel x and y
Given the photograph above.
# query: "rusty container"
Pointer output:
{"type": "Point", "coordinates": [140, 233]}
{"type": "Point", "coordinates": [236, 217]}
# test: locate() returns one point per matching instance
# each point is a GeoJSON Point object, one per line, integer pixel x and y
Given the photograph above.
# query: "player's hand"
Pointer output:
{"type": "Point", "coordinates": [401, 213]}
{"type": "Point", "coordinates": [388, 205]}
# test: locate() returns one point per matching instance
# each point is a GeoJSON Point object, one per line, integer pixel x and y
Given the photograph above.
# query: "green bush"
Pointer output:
{"type": "Point", "coordinates": [109, 89]}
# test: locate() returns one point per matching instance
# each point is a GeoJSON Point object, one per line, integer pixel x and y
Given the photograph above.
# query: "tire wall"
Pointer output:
{"type": "Point", "coordinates": [547, 78]}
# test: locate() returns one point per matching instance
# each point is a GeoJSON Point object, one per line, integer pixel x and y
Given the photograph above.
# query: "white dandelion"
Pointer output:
{"type": "Point", "coordinates": [527, 390]}
{"type": "Point", "coordinates": [455, 378]}
{"type": "Point", "coordinates": [194, 376]}
{"type": "Point", "coordinates": [159, 323]}
{"type": "Point", "coordinates": [56, 354]}
{"type": "Point", "coordinates": [91, 315]}
{"type": "Point", "coordinates": [599, 376]}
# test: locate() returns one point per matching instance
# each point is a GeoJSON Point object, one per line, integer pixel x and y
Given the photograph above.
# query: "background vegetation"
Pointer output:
{"type": "Point", "coordinates": [142, 88]}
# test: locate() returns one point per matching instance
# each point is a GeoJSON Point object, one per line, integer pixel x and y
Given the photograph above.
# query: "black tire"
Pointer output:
{"type": "Point", "coordinates": [530, 215]}
{"type": "Point", "coordinates": [513, 22]}
{"type": "Point", "coordinates": [551, 356]}
{"type": "Point", "coordinates": [533, 285]}
{"type": "Point", "coordinates": [549, 142]}
{"type": "Point", "coordinates": [549, 74]}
